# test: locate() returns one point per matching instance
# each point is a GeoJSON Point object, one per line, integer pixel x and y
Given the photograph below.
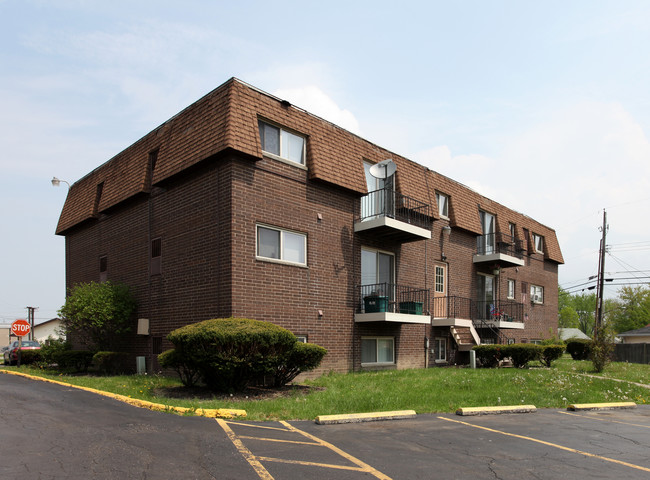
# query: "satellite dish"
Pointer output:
{"type": "Point", "coordinates": [383, 169]}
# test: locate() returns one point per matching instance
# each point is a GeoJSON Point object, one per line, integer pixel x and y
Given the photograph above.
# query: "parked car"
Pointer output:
{"type": "Point", "coordinates": [11, 354]}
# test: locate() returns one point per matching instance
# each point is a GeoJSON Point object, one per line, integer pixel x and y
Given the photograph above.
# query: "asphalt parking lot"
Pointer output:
{"type": "Point", "coordinates": [52, 431]}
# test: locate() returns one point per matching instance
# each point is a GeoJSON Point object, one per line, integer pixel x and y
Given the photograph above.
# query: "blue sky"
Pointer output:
{"type": "Point", "coordinates": [542, 106]}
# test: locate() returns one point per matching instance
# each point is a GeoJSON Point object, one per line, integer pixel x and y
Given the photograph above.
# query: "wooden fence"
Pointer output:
{"type": "Point", "coordinates": [632, 352]}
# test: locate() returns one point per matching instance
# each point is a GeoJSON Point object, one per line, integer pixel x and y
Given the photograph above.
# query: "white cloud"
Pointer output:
{"type": "Point", "coordinates": [314, 100]}
{"type": "Point", "coordinates": [563, 172]}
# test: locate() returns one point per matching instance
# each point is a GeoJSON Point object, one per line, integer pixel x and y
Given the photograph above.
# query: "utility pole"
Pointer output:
{"type": "Point", "coordinates": [30, 319]}
{"type": "Point", "coordinates": [601, 277]}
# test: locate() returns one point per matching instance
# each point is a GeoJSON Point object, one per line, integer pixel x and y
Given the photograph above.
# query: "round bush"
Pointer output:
{"type": "Point", "coordinates": [302, 358]}
{"type": "Point", "coordinates": [489, 355]}
{"type": "Point", "coordinates": [522, 353]}
{"type": "Point", "coordinates": [230, 353]}
{"type": "Point", "coordinates": [579, 349]}
{"type": "Point", "coordinates": [550, 353]}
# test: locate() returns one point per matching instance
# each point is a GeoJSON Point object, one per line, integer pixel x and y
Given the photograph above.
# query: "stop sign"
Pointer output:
{"type": "Point", "coordinates": [20, 328]}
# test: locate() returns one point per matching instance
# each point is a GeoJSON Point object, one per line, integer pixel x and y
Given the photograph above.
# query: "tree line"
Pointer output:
{"type": "Point", "coordinates": [630, 310]}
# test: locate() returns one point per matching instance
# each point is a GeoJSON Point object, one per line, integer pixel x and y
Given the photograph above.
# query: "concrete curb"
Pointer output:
{"type": "Point", "coordinates": [364, 417]}
{"type": "Point", "coordinates": [600, 406]}
{"type": "Point", "coordinates": [496, 410]}
{"type": "Point", "coordinates": [159, 407]}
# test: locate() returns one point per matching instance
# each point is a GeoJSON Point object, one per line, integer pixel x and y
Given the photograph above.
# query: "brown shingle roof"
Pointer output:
{"type": "Point", "coordinates": [227, 118]}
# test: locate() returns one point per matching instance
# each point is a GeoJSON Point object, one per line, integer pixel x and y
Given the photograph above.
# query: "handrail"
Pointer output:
{"type": "Point", "coordinates": [390, 297]}
{"type": "Point", "coordinates": [386, 202]}
{"type": "Point", "coordinates": [499, 243]}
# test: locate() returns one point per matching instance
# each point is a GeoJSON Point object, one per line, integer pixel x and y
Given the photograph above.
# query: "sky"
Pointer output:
{"type": "Point", "coordinates": [541, 106]}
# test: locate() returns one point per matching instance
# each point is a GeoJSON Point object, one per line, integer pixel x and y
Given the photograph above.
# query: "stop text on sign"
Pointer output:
{"type": "Point", "coordinates": [20, 328]}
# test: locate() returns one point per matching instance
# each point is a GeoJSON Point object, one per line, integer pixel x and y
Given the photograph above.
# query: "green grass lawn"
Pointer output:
{"type": "Point", "coordinates": [432, 390]}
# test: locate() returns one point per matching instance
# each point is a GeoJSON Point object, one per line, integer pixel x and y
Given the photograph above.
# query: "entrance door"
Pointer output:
{"type": "Point", "coordinates": [488, 225]}
{"type": "Point", "coordinates": [440, 301]}
{"type": "Point", "coordinates": [379, 200]}
{"type": "Point", "coordinates": [377, 275]}
{"type": "Point", "coordinates": [485, 296]}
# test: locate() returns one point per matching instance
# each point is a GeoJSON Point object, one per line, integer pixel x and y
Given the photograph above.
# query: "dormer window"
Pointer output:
{"type": "Point", "coordinates": [443, 204]}
{"type": "Point", "coordinates": [281, 143]}
{"type": "Point", "coordinates": [538, 242]}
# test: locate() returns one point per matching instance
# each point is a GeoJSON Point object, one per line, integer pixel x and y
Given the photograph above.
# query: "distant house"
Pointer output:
{"type": "Point", "coordinates": [566, 334]}
{"type": "Point", "coordinates": [640, 335]}
{"type": "Point", "coordinates": [49, 328]}
{"type": "Point", "coordinates": [245, 205]}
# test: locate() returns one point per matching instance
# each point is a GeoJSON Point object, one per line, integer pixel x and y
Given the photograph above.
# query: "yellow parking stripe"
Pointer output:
{"type": "Point", "coordinates": [313, 464]}
{"type": "Point", "coordinates": [554, 445]}
{"type": "Point", "coordinates": [246, 437]}
{"type": "Point", "coordinates": [605, 420]}
{"type": "Point", "coordinates": [364, 466]}
{"type": "Point", "coordinates": [245, 452]}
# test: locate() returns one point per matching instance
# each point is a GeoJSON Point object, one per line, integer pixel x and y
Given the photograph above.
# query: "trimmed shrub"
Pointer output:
{"type": "Point", "coordinates": [579, 349]}
{"type": "Point", "coordinates": [302, 358]}
{"type": "Point", "coordinates": [51, 348]}
{"type": "Point", "coordinates": [550, 353]}
{"type": "Point", "coordinates": [27, 357]}
{"type": "Point", "coordinates": [113, 363]}
{"type": "Point", "coordinates": [230, 353]}
{"type": "Point", "coordinates": [489, 355]}
{"type": "Point", "coordinates": [74, 360]}
{"type": "Point", "coordinates": [188, 374]}
{"type": "Point", "coordinates": [522, 353]}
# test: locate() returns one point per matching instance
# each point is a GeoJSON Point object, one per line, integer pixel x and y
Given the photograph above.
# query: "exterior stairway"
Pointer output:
{"type": "Point", "coordinates": [466, 337]}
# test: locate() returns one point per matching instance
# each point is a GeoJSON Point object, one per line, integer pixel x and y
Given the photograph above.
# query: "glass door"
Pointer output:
{"type": "Point", "coordinates": [377, 275]}
{"type": "Point", "coordinates": [488, 225]}
{"type": "Point", "coordinates": [485, 296]}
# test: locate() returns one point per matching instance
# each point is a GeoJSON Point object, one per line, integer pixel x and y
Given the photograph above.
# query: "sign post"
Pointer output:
{"type": "Point", "coordinates": [20, 328]}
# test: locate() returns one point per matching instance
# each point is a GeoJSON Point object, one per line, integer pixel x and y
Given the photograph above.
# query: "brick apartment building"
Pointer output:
{"type": "Point", "coordinates": [245, 205]}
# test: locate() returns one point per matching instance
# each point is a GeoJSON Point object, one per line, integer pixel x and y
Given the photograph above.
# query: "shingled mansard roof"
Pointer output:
{"type": "Point", "coordinates": [226, 119]}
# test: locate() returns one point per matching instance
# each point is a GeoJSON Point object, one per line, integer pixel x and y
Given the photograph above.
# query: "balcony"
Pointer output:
{"type": "Point", "coordinates": [386, 302]}
{"type": "Point", "coordinates": [460, 312]}
{"type": "Point", "coordinates": [394, 217]}
{"type": "Point", "coordinates": [499, 249]}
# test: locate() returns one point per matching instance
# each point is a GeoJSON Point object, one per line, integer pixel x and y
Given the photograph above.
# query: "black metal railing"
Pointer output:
{"type": "Point", "coordinates": [389, 297]}
{"type": "Point", "coordinates": [499, 311]}
{"type": "Point", "coordinates": [499, 243]}
{"type": "Point", "coordinates": [483, 314]}
{"type": "Point", "coordinates": [452, 307]}
{"type": "Point", "coordinates": [386, 202]}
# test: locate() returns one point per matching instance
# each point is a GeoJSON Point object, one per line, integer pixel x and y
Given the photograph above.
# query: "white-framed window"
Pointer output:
{"type": "Point", "coordinates": [282, 143]}
{"type": "Point", "coordinates": [280, 245]}
{"type": "Point", "coordinates": [536, 341]}
{"type": "Point", "coordinates": [301, 338]}
{"type": "Point", "coordinates": [538, 242]}
{"type": "Point", "coordinates": [377, 350]}
{"type": "Point", "coordinates": [536, 294]}
{"type": "Point", "coordinates": [440, 349]}
{"type": "Point", "coordinates": [443, 204]}
{"type": "Point", "coordinates": [511, 289]}
{"type": "Point", "coordinates": [440, 279]}
{"type": "Point", "coordinates": [512, 227]}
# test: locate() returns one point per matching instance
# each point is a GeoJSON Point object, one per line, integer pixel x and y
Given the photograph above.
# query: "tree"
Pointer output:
{"type": "Point", "coordinates": [631, 310]}
{"type": "Point", "coordinates": [98, 312]}
{"type": "Point", "coordinates": [577, 311]}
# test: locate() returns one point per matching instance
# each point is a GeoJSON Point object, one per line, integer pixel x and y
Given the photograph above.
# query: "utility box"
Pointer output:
{"type": "Point", "coordinates": [140, 365]}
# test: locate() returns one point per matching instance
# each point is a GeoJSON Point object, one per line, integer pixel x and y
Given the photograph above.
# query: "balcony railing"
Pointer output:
{"type": "Point", "coordinates": [386, 202]}
{"type": "Point", "coordinates": [460, 307]}
{"type": "Point", "coordinates": [392, 298]}
{"type": "Point", "coordinates": [499, 243]}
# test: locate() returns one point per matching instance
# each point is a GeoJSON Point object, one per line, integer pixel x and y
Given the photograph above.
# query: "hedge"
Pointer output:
{"type": "Point", "coordinates": [302, 358]}
{"type": "Point", "coordinates": [231, 353]}
{"type": "Point", "coordinates": [113, 363]}
{"type": "Point", "coordinates": [579, 349]}
{"type": "Point", "coordinates": [188, 373]}
{"type": "Point", "coordinates": [550, 353]}
{"type": "Point", "coordinates": [521, 354]}
{"type": "Point", "coordinates": [74, 360]}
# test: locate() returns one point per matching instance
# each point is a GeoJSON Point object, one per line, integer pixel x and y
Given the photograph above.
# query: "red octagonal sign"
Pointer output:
{"type": "Point", "coordinates": [20, 328]}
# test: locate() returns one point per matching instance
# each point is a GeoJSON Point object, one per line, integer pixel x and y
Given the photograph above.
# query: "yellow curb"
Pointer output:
{"type": "Point", "coordinates": [201, 412]}
{"type": "Point", "coordinates": [365, 417]}
{"type": "Point", "coordinates": [600, 406]}
{"type": "Point", "coordinates": [469, 411]}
